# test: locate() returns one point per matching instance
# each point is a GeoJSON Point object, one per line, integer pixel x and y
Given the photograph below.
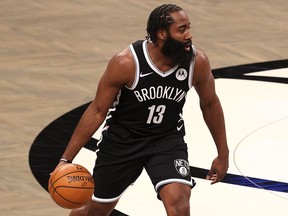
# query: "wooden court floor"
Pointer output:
{"type": "Point", "coordinates": [52, 54]}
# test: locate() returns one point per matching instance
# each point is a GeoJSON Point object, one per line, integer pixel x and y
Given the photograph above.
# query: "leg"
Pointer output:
{"type": "Point", "coordinates": [94, 209]}
{"type": "Point", "coordinates": [170, 174]}
{"type": "Point", "coordinates": [175, 197]}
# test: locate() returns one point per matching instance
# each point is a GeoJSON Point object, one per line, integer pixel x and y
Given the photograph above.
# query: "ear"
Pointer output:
{"type": "Point", "coordinates": [162, 34]}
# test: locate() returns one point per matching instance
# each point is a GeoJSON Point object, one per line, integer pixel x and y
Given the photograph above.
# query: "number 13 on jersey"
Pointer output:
{"type": "Point", "coordinates": [156, 114]}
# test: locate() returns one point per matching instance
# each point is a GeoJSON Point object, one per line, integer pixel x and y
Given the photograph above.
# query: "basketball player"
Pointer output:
{"type": "Point", "coordinates": [141, 95]}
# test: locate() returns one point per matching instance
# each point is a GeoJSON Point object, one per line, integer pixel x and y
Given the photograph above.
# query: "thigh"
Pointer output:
{"type": "Point", "coordinates": [175, 194]}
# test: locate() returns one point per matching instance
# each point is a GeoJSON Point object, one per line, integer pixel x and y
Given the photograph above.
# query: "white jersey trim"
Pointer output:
{"type": "Point", "coordinates": [137, 70]}
{"type": "Point", "coordinates": [150, 63]}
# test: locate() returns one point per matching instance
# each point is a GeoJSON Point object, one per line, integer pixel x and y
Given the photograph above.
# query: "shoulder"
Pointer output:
{"type": "Point", "coordinates": [201, 61]}
{"type": "Point", "coordinates": [123, 59]}
{"type": "Point", "coordinates": [122, 66]}
{"type": "Point", "coordinates": [202, 68]}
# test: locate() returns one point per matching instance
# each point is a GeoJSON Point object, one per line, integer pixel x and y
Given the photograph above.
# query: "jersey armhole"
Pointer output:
{"type": "Point", "coordinates": [137, 68]}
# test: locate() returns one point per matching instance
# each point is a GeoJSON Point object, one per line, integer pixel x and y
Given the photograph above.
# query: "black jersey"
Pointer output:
{"type": "Point", "coordinates": [152, 106]}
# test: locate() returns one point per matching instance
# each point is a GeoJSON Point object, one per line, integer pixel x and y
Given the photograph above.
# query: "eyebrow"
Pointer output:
{"type": "Point", "coordinates": [184, 25]}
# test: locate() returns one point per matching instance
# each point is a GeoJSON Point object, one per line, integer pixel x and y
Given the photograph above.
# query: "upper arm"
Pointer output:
{"type": "Point", "coordinates": [204, 80]}
{"type": "Point", "coordinates": [119, 73]}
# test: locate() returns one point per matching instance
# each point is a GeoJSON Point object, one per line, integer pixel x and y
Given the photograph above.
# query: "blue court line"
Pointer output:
{"type": "Point", "coordinates": [244, 180]}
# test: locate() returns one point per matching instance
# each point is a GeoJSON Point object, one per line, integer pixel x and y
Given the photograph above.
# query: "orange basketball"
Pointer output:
{"type": "Point", "coordinates": [71, 186]}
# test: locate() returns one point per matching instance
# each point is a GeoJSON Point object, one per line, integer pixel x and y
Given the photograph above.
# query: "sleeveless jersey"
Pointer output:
{"type": "Point", "coordinates": [152, 106]}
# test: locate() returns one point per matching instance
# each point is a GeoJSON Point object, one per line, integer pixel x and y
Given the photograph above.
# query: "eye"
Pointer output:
{"type": "Point", "coordinates": [182, 29]}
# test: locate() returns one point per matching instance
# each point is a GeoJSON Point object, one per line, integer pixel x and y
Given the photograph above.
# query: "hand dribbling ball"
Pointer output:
{"type": "Point", "coordinates": [71, 186]}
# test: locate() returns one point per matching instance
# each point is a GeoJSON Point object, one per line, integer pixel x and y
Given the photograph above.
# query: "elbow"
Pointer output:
{"type": "Point", "coordinates": [208, 104]}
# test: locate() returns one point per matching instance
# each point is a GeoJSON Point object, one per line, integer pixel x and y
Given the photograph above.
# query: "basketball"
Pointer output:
{"type": "Point", "coordinates": [71, 186]}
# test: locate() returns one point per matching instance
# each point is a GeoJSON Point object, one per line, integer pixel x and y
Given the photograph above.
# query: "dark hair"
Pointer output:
{"type": "Point", "coordinates": [160, 19]}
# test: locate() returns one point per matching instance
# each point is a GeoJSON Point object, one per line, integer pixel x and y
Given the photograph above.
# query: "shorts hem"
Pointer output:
{"type": "Point", "coordinates": [102, 200]}
{"type": "Point", "coordinates": [160, 184]}
{"type": "Point", "coordinates": [107, 200]}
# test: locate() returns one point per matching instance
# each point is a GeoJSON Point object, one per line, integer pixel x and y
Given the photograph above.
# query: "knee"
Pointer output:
{"type": "Point", "coordinates": [178, 207]}
{"type": "Point", "coordinates": [176, 200]}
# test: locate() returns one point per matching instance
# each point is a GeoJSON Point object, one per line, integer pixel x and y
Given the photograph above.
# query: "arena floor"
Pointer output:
{"type": "Point", "coordinates": [52, 54]}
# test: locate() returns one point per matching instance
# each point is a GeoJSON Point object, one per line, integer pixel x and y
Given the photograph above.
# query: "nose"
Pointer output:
{"type": "Point", "coordinates": [188, 35]}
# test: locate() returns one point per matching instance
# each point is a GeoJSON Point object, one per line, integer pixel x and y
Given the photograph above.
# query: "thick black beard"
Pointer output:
{"type": "Point", "coordinates": [175, 50]}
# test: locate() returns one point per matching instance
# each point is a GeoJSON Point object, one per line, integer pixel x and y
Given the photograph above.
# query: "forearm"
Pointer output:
{"type": "Point", "coordinates": [88, 124]}
{"type": "Point", "coordinates": [214, 119]}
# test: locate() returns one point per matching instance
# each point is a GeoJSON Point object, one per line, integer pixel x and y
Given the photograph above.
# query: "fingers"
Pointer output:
{"type": "Point", "coordinates": [214, 179]}
{"type": "Point", "coordinates": [210, 174]}
{"type": "Point", "coordinates": [213, 176]}
{"type": "Point", "coordinates": [60, 164]}
{"type": "Point", "coordinates": [218, 170]}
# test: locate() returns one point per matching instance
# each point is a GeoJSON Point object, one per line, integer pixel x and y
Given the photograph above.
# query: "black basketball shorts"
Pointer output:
{"type": "Point", "coordinates": [115, 171]}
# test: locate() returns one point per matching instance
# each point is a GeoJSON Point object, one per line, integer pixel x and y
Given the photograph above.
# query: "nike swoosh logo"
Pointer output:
{"type": "Point", "coordinates": [180, 127]}
{"type": "Point", "coordinates": [147, 74]}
